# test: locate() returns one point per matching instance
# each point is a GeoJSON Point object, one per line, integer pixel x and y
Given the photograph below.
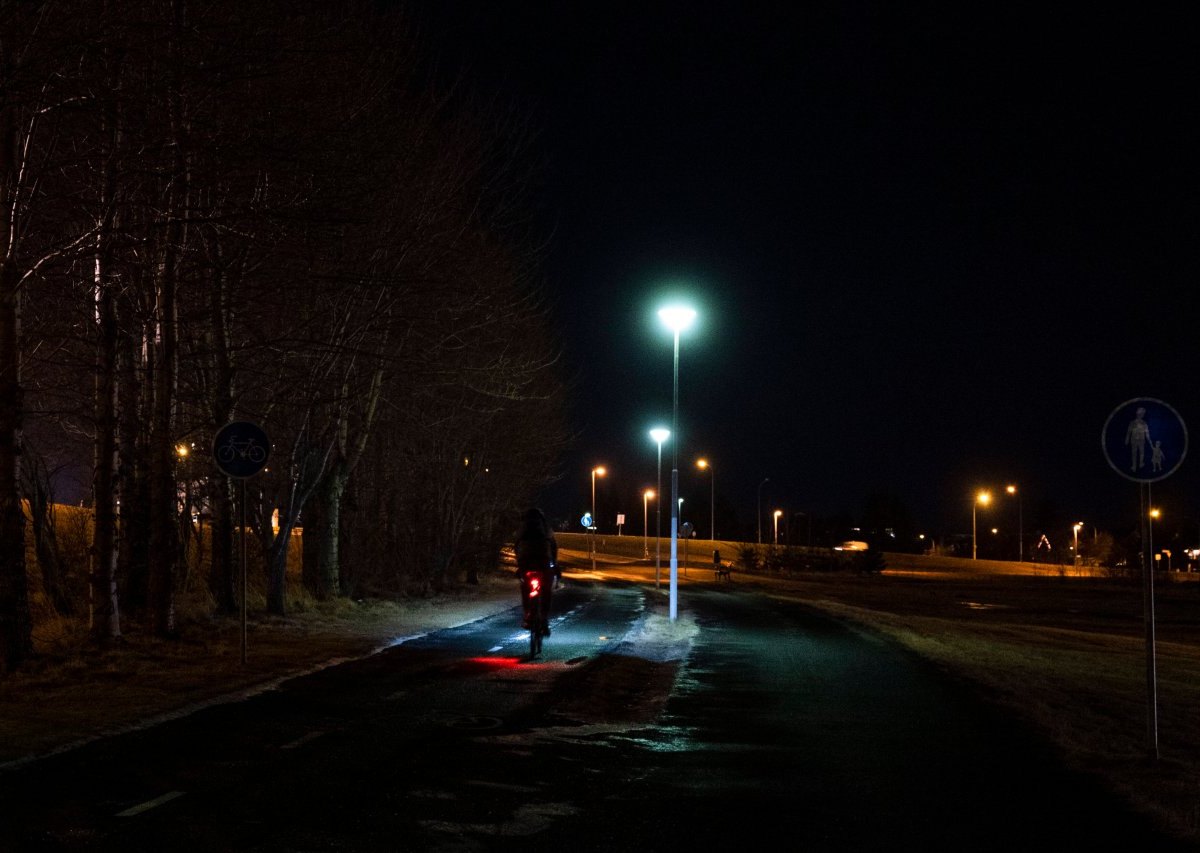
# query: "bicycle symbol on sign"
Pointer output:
{"type": "Point", "coordinates": [246, 448]}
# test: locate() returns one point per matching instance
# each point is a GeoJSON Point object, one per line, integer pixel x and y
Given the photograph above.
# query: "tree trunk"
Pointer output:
{"type": "Point", "coordinates": [328, 557]}
{"type": "Point", "coordinates": [133, 546]}
{"type": "Point", "coordinates": [312, 545]}
{"type": "Point", "coordinates": [106, 620]}
{"type": "Point", "coordinates": [164, 550]}
{"type": "Point", "coordinates": [163, 529]}
{"type": "Point", "coordinates": [277, 556]}
{"type": "Point", "coordinates": [221, 576]}
{"type": "Point", "coordinates": [16, 637]}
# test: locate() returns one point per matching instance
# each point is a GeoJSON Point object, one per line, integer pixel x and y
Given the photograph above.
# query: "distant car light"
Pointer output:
{"type": "Point", "coordinates": [852, 545]}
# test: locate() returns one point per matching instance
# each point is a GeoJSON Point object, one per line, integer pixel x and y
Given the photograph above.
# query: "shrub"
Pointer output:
{"type": "Point", "coordinates": [747, 558]}
{"type": "Point", "coordinates": [869, 562]}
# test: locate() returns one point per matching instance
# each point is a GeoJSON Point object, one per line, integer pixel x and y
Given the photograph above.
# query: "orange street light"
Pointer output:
{"type": "Point", "coordinates": [981, 498]}
{"type": "Point", "coordinates": [646, 496]}
{"type": "Point", "coordinates": [1012, 490]}
{"type": "Point", "coordinates": [712, 497]}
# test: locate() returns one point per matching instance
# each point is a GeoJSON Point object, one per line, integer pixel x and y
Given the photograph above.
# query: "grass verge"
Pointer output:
{"type": "Point", "coordinates": [1067, 655]}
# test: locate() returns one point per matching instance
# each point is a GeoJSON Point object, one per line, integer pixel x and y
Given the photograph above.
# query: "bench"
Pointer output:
{"type": "Point", "coordinates": [724, 570]}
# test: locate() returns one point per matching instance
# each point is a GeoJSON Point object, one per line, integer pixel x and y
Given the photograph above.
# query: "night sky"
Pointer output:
{"type": "Point", "coordinates": [932, 247]}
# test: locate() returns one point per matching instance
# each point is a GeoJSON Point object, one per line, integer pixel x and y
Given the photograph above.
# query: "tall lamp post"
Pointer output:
{"type": "Point", "coordinates": [1012, 490]}
{"type": "Point", "coordinates": [1076, 527]}
{"type": "Point", "coordinates": [677, 318]}
{"type": "Point", "coordinates": [1155, 514]}
{"type": "Point", "coordinates": [981, 498]}
{"type": "Point", "coordinates": [778, 513]}
{"type": "Point", "coordinates": [598, 470]}
{"type": "Point", "coordinates": [646, 495]}
{"type": "Point", "coordinates": [659, 435]}
{"type": "Point", "coordinates": [712, 499]}
{"type": "Point", "coordinates": [759, 513]}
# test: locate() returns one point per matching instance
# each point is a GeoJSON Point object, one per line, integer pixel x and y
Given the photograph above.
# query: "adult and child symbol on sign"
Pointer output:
{"type": "Point", "coordinates": [1137, 436]}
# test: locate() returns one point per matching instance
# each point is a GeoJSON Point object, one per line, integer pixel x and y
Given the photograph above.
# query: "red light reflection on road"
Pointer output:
{"type": "Point", "coordinates": [497, 662]}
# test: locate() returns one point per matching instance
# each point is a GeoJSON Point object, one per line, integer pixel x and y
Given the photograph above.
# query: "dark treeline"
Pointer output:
{"type": "Point", "coordinates": [259, 211]}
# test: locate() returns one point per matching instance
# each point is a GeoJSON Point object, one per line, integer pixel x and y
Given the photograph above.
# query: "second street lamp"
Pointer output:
{"type": "Point", "coordinates": [1012, 490]}
{"type": "Point", "coordinates": [712, 499]}
{"type": "Point", "coordinates": [677, 318]}
{"type": "Point", "coordinates": [659, 435]}
{"type": "Point", "coordinates": [598, 470]}
{"type": "Point", "coordinates": [981, 498]}
{"type": "Point", "coordinates": [646, 495]}
{"type": "Point", "coordinates": [778, 513]}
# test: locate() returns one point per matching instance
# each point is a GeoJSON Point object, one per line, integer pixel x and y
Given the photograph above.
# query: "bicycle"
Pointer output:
{"type": "Point", "coordinates": [245, 448]}
{"type": "Point", "coordinates": [535, 610]}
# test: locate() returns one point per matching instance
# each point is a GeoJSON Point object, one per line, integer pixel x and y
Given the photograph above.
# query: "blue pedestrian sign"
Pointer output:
{"type": "Point", "coordinates": [1144, 440]}
{"type": "Point", "coordinates": [241, 449]}
{"type": "Point", "coordinates": [586, 521]}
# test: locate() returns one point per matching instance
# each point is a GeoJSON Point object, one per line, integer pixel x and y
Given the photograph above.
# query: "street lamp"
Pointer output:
{"type": "Point", "coordinates": [759, 513]}
{"type": "Point", "coordinates": [598, 470]}
{"type": "Point", "coordinates": [646, 495]}
{"type": "Point", "coordinates": [1155, 514]}
{"type": "Point", "coordinates": [712, 482]}
{"type": "Point", "coordinates": [778, 513]}
{"type": "Point", "coordinates": [659, 435]}
{"type": "Point", "coordinates": [1076, 527]}
{"type": "Point", "coordinates": [1012, 490]}
{"type": "Point", "coordinates": [677, 318]}
{"type": "Point", "coordinates": [981, 498]}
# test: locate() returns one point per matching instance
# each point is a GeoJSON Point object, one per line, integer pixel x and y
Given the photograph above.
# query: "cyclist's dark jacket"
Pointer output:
{"type": "Point", "coordinates": [535, 546]}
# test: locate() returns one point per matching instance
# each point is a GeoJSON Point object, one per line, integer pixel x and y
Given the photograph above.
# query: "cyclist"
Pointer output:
{"type": "Point", "coordinates": [537, 549]}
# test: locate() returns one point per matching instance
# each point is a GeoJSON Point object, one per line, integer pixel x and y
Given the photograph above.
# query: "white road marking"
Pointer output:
{"type": "Point", "coordinates": [150, 804]}
{"type": "Point", "coordinates": [303, 739]}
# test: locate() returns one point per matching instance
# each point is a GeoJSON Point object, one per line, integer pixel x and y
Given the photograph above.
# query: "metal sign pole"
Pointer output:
{"type": "Point", "coordinates": [244, 589]}
{"type": "Point", "coordinates": [1148, 618]}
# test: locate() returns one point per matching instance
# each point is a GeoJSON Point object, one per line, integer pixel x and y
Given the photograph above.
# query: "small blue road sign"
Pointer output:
{"type": "Point", "coordinates": [586, 521]}
{"type": "Point", "coordinates": [241, 449]}
{"type": "Point", "coordinates": [1144, 440]}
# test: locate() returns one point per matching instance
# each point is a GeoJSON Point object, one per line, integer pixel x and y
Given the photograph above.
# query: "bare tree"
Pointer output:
{"type": "Point", "coordinates": [39, 44]}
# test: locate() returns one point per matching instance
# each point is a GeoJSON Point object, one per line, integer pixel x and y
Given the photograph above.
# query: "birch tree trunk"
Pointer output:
{"type": "Point", "coordinates": [106, 620]}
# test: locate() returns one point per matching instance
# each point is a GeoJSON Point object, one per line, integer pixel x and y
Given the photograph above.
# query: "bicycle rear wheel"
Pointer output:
{"type": "Point", "coordinates": [536, 623]}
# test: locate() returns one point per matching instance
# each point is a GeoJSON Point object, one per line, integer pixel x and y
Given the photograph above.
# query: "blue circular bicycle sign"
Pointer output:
{"type": "Point", "coordinates": [586, 521]}
{"type": "Point", "coordinates": [241, 449]}
{"type": "Point", "coordinates": [1144, 440]}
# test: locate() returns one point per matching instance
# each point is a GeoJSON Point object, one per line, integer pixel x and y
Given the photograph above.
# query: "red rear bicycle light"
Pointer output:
{"type": "Point", "coordinates": [535, 586]}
